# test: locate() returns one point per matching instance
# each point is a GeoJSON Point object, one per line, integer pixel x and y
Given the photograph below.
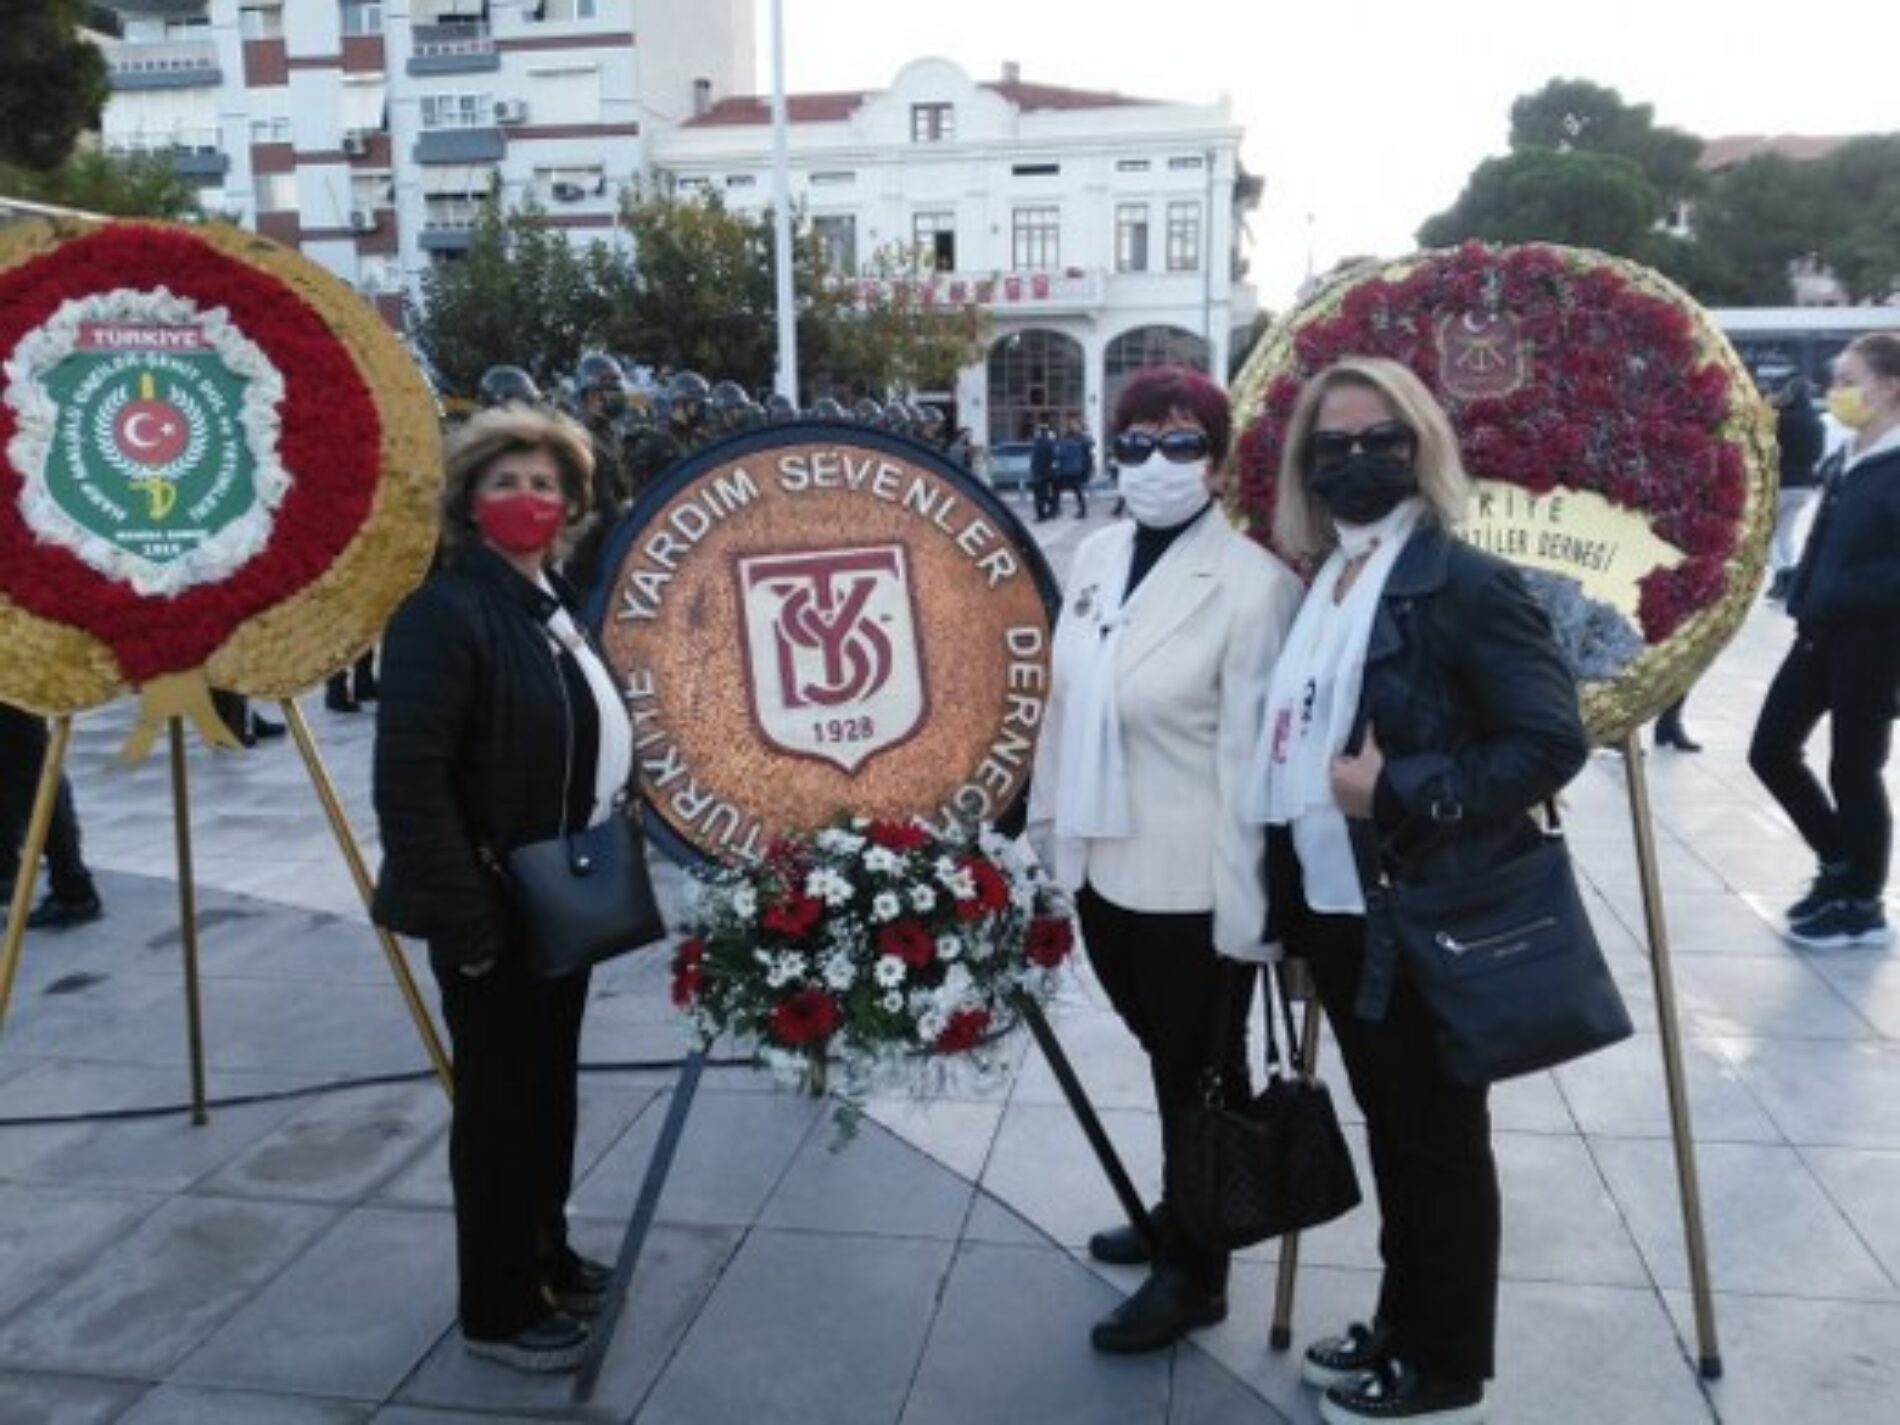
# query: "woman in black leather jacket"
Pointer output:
{"type": "Point", "coordinates": [1419, 710]}
{"type": "Point", "coordinates": [499, 726]}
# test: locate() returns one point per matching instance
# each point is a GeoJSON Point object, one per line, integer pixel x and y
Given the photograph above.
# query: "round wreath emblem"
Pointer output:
{"type": "Point", "coordinates": [212, 455]}
{"type": "Point", "coordinates": [1568, 375]}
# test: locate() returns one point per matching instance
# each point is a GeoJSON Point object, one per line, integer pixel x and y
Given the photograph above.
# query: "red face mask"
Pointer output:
{"type": "Point", "coordinates": [519, 524]}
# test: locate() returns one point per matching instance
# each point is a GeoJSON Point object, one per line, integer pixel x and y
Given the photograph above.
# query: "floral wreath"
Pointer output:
{"type": "Point", "coordinates": [1626, 390]}
{"type": "Point", "coordinates": [885, 945]}
{"type": "Point", "coordinates": [344, 446]}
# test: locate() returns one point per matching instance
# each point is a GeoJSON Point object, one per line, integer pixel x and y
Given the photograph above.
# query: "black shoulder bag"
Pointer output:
{"type": "Point", "coordinates": [1275, 1164]}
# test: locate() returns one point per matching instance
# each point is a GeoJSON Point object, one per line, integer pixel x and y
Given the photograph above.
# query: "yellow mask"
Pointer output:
{"type": "Point", "coordinates": [1848, 406]}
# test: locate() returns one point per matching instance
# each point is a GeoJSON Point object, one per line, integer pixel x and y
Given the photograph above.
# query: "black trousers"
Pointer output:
{"type": "Point", "coordinates": [1161, 974]}
{"type": "Point", "coordinates": [1849, 677]}
{"type": "Point", "coordinates": [1432, 1169]}
{"type": "Point", "coordinates": [516, 1045]}
{"type": "Point", "coordinates": [23, 739]}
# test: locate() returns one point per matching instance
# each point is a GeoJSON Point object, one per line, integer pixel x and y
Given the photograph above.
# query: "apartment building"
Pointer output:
{"type": "Point", "coordinates": [367, 131]}
{"type": "Point", "coordinates": [1100, 233]}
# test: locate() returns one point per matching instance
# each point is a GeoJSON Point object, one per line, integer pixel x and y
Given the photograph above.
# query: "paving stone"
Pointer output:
{"type": "Point", "coordinates": [340, 1147]}
{"type": "Point", "coordinates": [1560, 1221]}
{"type": "Point", "coordinates": [1841, 1095]}
{"type": "Point", "coordinates": [1795, 1360]}
{"type": "Point", "coordinates": [1865, 1186]}
{"type": "Point", "coordinates": [183, 1405]}
{"type": "Point", "coordinates": [44, 1231]}
{"type": "Point", "coordinates": [142, 1303]}
{"type": "Point", "coordinates": [874, 1184]}
{"type": "Point", "coordinates": [1622, 1091]}
{"type": "Point", "coordinates": [351, 1317]}
{"type": "Point", "coordinates": [55, 1400]}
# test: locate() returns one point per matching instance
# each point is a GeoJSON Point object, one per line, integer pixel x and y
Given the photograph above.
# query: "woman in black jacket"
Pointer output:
{"type": "Point", "coordinates": [499, 726]}
{"type": "Point", "coordinates": [1419, 709]}
{"type": "Point", "coordinates": [1844, 665]}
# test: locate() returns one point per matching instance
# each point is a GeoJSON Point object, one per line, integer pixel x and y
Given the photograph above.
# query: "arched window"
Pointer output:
{"type": "Point", "coordinates": [1035, 379]}
{"type": "Point", "coordinates": [1142, 347]}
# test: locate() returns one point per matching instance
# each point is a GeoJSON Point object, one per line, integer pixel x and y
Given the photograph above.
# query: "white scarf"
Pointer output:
{"type": "Point", "coordinates": [1092, 793]}
{"type": "Point", "coordinates": [1311, 704]}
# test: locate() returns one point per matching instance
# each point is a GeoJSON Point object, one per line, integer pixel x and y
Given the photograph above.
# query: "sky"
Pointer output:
{"type": "Point", "coordinates": [1366, 116]}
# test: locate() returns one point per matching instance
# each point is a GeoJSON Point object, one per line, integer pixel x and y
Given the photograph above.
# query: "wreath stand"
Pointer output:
{"type": "Point", "coordinates": [160, 711]}
{"type": "Point", "coordinates": [1669, 1035]}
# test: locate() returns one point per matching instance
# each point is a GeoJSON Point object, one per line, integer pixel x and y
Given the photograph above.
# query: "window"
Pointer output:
{"type": "Point", "coordinates": [1184, 237]}
{"type": "Point", "coordinates": [1191, 160]}
{"type": "Point", "coordinates": [361, 18]}
{"type": "Point", "coordinates": [1036, 170]}
{"type": "Point", "coordinates": [833, 176]}
{"type": "Point", "coordinates": [573, 183]}
{"type": "Point", "coordinates": [457, 111]}
{"type": "Point", "coordinates": [270, 130]}
{"type": "Point", "coordinates": [741, 180]}
{"type": "Point", "coordinates": [932, 123]}
{"type": "Point", "coordinates": [935, 235]}
{"type": "Point", "coordinates": [837, 238]}
{"type": "Point", "coordinates": [567, 10]}
{"type": "Point", "coordinates": [261, 22]}
{"type": "Point", "coordinates": [1131, 165]}
{"type": "Point", "coordinates": [1131, 237]}
{"type": "Point", "coordinates": [371, 190]}
{"type": "Point", "coordinates": [1035, 238]}
{"type": "Point", "coordinates": [276, 192]}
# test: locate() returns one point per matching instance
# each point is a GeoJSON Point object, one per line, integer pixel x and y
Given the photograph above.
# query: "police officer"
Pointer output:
{"type": "Point", "coordinates": [687, 396]}
{"type": "Point", "coordinates": [600, 388]}
{"type": "Point", "coordinates": [502, 384]}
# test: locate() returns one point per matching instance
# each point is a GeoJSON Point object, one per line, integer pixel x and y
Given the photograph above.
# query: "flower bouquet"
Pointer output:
{"type": "Point", "coordinates": [889, 948]}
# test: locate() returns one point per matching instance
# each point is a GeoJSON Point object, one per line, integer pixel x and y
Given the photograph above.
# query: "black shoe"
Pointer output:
{"type": "Point", "coordinates": [56, 914]}
{"type": "Point", "coordinates": [1335, 1360]}
{"type": "Point", "coordinates": [365, 689]}
{"type": "Point", "coordinates": [341, 702]}
{"type": "Point", "coordinates": [1397, 1392]}
{"type": "Point", "coordinates": [1165, 1309]}
{"type": "Point", "coordinates": [1829, 885]}
{"type": "Point", "coordinates": [262, 728]}
{"type": "Point", "coordinates": [581, 1289]}
{"type": "Point", "coordinates": [552, 1343]}
{"type": "Point", "coordinates": [1122, 1246]}
{"type": "Point", "coordinates": [1671, 734]}
{"type": "Point", "coordinates": [1839, 925]}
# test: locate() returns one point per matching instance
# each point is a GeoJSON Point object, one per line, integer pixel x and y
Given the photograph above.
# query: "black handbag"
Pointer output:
{"type": "Point", "coordinates": [584, 897]}
{"type": "Point", "coordinates": [1506, 962]}
{"type": "Point", "coordinates": [1278, 1163]}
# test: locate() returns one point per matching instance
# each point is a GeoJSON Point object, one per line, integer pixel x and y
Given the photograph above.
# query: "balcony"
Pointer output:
{"type": "Point", "coordinates": [460, 145]}
{"type": "Point", "coordinates": [1068, 291]}
{"type": "Point", "coordinates": [183, 64]}
{"type": "Point", "coordinates": [453, 49]}
{"type": "Point", "coordinates": [194, 153]}
{"type": "Point", "coordinates": [448, 224]}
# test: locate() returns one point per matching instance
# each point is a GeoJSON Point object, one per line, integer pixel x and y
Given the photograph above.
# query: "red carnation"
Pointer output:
{"type": "Point", "coordinates": [1051, 938]}
{"type": "Point", "coordinates": [908, 941]}
{"type": "Point", "coordinates": [992, 891]}
{"type": "Point", "coordinates": [687, 976]}
{"type": "Point", "coordinates": [795, 915]}
{"type": "Point", "coordinates": [897, 835]}
{"type": "Point", "coordinates": [964, 1031]}
{"type": "Point", "coordinates": [807, 1017]}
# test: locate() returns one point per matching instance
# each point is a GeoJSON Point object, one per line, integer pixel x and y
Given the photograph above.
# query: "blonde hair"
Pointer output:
{"type": "Point", "coordinates": [1301, 524]}
{"type": "Point", "coordinates": [513, 429]}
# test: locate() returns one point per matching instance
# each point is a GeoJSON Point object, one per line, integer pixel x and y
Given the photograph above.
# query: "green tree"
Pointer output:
{"type": "Point", "coordinates": [1594, 200]}
{"type": "Point", "coordinates": [521, 296]}
{"type": "Point", "coordinates": [892, 335]}
{"type": "Point", "coordinates": [136, 186]}
{"type": "Point", "coordinates": [52, 82]}
{"type": "Point", "coordinates": [1858, 208]}
{"type": "Point", "coordinates": [1575, 115]}
{"type": "Point", "coordinates": [1754, 220]}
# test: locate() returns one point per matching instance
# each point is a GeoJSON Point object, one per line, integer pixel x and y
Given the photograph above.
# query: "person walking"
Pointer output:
{"type": "Point", "coordinates": [1844, 665]}
{"type": "Point", "coordinates": [1167, 634]}
{"type": "Point", "coordinates": [1075, 463]}
{"type": "Point", "coordinates": [497, 726]}
{"type": "Point", "coordinates": [1420, 707]}
{"type": "Point", "coordinates": [1799, 440]}
{"type": "Point", "coordinates": [71, 898]}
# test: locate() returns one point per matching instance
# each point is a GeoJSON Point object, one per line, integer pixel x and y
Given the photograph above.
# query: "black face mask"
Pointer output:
{"type": "Point", "coordinates": [1363, 489]}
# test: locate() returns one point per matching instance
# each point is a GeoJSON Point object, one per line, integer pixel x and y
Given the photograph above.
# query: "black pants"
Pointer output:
{"type": "Point", "coordinates": [1076, 485]}
{"type": "Point", "coordinates": [23, 739]}
{"type": "Point", "coordinates": [1432, 1168]}
{"type": "Point", "coordinates": [1848, 677]}
{"type": "Point", "coordinates": [1161, 974]}
{"type": "Point", "coordinates": [511, 1140]}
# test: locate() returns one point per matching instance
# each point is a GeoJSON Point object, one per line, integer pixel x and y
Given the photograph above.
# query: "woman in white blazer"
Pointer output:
{"type": "Point", "coordinates": [1163, 651]}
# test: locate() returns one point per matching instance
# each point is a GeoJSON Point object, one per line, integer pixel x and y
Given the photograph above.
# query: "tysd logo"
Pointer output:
{"type": "Point", "coordinates": [816, 618]}
{"type": "Point", "coordinates": [832, 651]}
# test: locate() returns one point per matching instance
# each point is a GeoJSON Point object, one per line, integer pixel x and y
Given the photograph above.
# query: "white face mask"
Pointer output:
{"type": "Point", "coordinates": [1162, 494]}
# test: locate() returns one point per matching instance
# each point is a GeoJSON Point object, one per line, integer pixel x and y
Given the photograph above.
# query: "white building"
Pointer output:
{"type": "Point", "coordinates": [1100, 233]}
{"type": "Point", "coordinates": [366, 132]}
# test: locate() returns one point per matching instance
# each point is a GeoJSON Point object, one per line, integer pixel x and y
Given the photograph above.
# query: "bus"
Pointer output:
{"type": "Point", "coordinates": [1777, 344]}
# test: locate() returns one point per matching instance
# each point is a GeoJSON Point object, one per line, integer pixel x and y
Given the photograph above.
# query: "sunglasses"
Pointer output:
{"type": "Point", "coordinates": [1133, 447]}
{"type": "Point", "coordinates": [1381, 442]}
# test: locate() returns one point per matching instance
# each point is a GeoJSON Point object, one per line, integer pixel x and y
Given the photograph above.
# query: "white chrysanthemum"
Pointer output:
{"type": "Point", "coordinates": [893, 1001]}
{"type": "Point", "coordinates": [828, 886]}
{"type": "Point", "coordinates": [835, 839]}
{"type": "Point", "coordinates": [745, 903]}
{"type": "Point", "coordinates": [886, 906]}
{"type": "Point", "coordinates": [949, 947]}
{"type": "Point", "coordinates": [788, 967]}
{"type": "Point", "coordinates": [883, 861]}
{"type": "Point", "coordinates": [889, 971]}
{"type": "Point", "coordinates": [981, 948]}
{"type": "Point", "coordinates": [923, 900]}
{"type": "Point", "coordinates": [838, 970]}
{"type": "Point", "coordinates": [955, 879]}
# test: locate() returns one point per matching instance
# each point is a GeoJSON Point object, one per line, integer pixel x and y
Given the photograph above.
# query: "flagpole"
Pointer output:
{"type": "Point", "coordinates": [787, 385]}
